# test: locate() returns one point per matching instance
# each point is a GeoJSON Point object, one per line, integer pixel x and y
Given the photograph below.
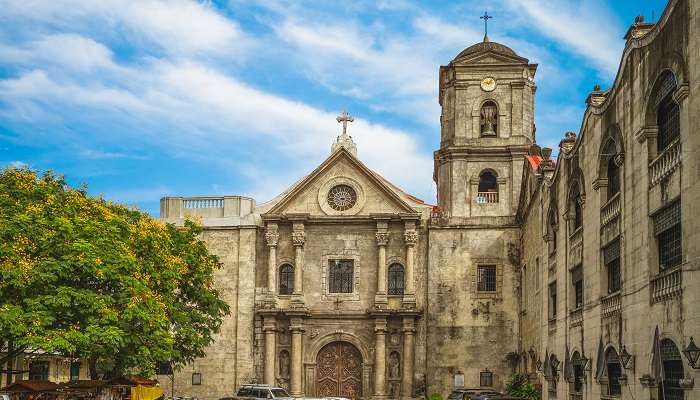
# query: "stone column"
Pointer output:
{"type": "Point", "coordinates": [380, 358]}
{"type": "Point", "coordinates": [297, 329]}
{"type": "Point", "coordinates": [298, 240]}
{"type": "Point", "coordinates": [382, 237]}
{"type": "Point", "coordinates": [410, 238]}
{"type": "Point", "coordinates": [409, 332]}
{"type": "Point", "coordinates": [272, 237]}
{"type": "Point", "coordinates": [270, 332]}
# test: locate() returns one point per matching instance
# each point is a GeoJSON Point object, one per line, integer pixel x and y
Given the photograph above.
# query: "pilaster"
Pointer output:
{"type": "Point", "coordinates": [380, 357]}
{"type": "Point", "coordinates": [382, 237]}
{"type": "Point", "coordinates": [410, 240]}
{"type": "Point", "coordinates": [409, 332]}
{"type": "Point", "coordinates": [298, 241]}
{"type": "Point", "coordinates": [270, 332]}
{"type": "Point", "coordinates": [297, 329]}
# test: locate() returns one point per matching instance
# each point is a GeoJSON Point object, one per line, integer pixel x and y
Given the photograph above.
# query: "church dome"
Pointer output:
{"type": "Point", "coordinates": [485, 46]}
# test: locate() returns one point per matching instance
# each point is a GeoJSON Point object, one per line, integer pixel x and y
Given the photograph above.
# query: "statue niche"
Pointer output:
{"type": "Point", "coordinates": [489, 119]}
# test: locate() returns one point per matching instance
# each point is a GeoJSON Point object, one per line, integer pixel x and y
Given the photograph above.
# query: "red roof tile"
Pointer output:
{"type": "Point", "coordinates": [534, 161]}
{"type": "Point", "coordinates": [31, 386]}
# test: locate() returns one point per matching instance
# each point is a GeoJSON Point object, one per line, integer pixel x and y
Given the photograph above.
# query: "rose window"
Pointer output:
{"type": "Point", "coordinates": [342, 197]}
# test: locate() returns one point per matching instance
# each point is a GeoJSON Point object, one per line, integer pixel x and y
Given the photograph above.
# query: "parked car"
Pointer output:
{"type": "Point", "coordinates": [261, 392]}
{"type": "Point", "coordinates": [479, 394]}
{"type": "Point", "coordinates": [4, 396]}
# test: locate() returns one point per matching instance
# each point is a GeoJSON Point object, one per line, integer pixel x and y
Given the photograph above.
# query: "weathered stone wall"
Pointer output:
{"type": "Point", "coordinates": [468, 330]}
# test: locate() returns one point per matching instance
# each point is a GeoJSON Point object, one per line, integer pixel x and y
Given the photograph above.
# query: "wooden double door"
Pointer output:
{"type": "Point", "coordinates": [339, 371]}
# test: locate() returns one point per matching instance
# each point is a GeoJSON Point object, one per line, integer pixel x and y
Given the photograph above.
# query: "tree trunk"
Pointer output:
{"type": "Point", "coordinates": [93, 368]}
{"type": "Point", "coordinates": [10, 358]}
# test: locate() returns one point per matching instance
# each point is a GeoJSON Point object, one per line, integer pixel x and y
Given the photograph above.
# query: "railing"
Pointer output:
{"type": "Point", "coordinates": [487, 197]}
{"type": "Point", "coordinates": [576, 317]}
{"type": "Point", "coordinates": [610, 210]}
{"type": "Point", "coordinates": [666, 285]}
{"type": "Point", "coordinates": [204, 203]}
{"type": "Point", "coordinates": [664, 164]}
{"type": "Point", "coordinates": [610, 304]}
{"type": "Point", "coordinates": [576, 247]}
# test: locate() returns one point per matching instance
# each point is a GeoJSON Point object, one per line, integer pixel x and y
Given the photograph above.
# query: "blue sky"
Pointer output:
{"type": "Point", "coordinates": [145, 99]}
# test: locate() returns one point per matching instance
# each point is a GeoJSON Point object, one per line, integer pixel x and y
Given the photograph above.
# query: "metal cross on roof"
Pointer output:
{"type": "Point", "coordinates": [486, 17]}
{"type": "Point", "coordinates": [344, 118]}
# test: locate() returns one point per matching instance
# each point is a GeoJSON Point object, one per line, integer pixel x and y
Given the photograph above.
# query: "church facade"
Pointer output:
{"type": "Point", "coordinates": [345, 285]}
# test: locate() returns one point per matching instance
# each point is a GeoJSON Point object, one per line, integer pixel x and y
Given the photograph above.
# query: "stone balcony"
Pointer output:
{"type": "Point", "coordinates": [665, 163]}
{"type": "Point", "coordinates": [206, 207]}
{"type": "Point", "coordinates": [666, 285]}
{"type": "Point", "coordinates": [610, 210]}
{"type": "Point", "coordinates": [576, 317]}
{"type": "Point", "coordinates": [610, 305]}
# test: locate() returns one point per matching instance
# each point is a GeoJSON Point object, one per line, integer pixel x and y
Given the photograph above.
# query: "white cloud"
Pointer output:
{"type": "Point", "coordinates": [18, 164]}
{"type": "Point", "coordinates": [587, 28]}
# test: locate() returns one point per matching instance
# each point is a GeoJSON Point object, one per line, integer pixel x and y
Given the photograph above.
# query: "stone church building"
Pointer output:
{"type": "Point", "coordinates": [581, 272]}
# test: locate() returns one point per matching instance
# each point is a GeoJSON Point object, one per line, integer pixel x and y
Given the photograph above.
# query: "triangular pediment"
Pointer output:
{"type": "Point", "coordinates": [489, 57]}
{"type": "Point", "coordinates": [372, 194]}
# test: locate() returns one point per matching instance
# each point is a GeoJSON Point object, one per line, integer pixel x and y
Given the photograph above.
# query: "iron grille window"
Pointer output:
{"type": "Point", "coordinates": [613, 177]}
{"type": "Point", "coordinates": [286, 281]}
{"type": "Point", "coordinates": [667, 226]}
{"type": "Point", "coordinates": [552, 300]}
{"type": "Point", "coordinates": [396, 279]}
{"type": "Point", "coordinates": [670, 388]}
{"type": "Point", "coordinates": [486, 378]}
{"type": "Point", "coordinates": [614, 370]}
{"type": "Point", "coordinates": [577, 280]}
{"type": "Point", "coordinates": [341, 276]}
{"type": "Point", "coordinates": [486, 278]}
{"type": "Point", "coordinates": [668, 120]}
{"type": "Point", "coordinates": [614, 281]}
{"type": "Point", "coordinates": [578, 373]}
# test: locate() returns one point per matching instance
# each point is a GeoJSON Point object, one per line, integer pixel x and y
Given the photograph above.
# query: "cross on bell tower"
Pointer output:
{"type": "Point", "coordinates": [344, 140]}
{"type": "Point", "coordinates": [486, 17]}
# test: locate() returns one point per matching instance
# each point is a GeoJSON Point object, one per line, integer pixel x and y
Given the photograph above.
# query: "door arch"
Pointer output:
{"type": "Point", "coordinates": [339, 371]}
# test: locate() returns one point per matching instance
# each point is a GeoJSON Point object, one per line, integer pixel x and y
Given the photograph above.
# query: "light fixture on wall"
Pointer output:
{"type": "Point", "coordinates": [692, 353]}
{"type": "Point", "coordinates": [626, 358]}
{"type": "Point", "coordinates": [586, 362]}
{"type": "Point", "coordinates": [538, 365]}
{"type": "Point", "coordinates": [459, 379]}
{"type": "Point", "coordinates": [555, 364]}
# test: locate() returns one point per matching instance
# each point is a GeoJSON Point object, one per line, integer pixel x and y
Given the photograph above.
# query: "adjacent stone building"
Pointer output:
{"type": "Point", "coordinates": [581, 273]}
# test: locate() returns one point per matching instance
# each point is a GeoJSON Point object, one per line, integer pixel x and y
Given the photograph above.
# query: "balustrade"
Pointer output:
{"type": "Point", "coordinates": [204, 202]}
{"type": "Point", "coordinates": [664, 164]}
{"type": "Point", "coordinates": [666, 285]}
{"type": "Point", "coordinates": [610, 210]}
{"type": "Point", "coordinates": [487, 197]}
{"type": "Point", "coordinates": [610, 304]}
{"type": "Point", "coordinates": [576, 317]}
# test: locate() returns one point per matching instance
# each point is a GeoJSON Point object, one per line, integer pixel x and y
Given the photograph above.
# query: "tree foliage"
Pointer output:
{"type": "Point", "coordinates": [520, 386]}
{"type": "Point", "coordinates": [85, 277]}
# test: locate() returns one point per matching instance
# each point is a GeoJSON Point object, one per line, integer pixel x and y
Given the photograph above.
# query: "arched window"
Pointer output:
{"type": "Point", "coordinates": [489, 119]}
{"type": "Point", "coordinates": [488, 187]}
{"type": "Point", "coordinates": [396, 279]}
{"type": "Point", "coordinates": [614, 371]}
{"type": "Point", "coordinates": [578, 366]}
{"type": "Point", "coordinates": [286, 281]}
{"type": "Point", "coordinates": [613, 170]}
{"type": "Point", "coordinates": [672, 363]}
{"type": "Point", "coordinates": [575, 207]}
{"type": "Point", "coordinates": [667, 111]}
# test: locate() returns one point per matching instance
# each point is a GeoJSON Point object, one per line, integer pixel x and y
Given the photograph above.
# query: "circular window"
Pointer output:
{"type": "Point", "coordinates": [342, 197]}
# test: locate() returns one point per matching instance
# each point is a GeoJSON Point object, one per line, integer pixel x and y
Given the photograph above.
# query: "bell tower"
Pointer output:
{"type": "Point", "coordinates": [487, 127]}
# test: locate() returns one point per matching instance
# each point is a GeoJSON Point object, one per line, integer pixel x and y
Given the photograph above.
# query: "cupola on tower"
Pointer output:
{"type": "Point", "coordinates": [487, 127]}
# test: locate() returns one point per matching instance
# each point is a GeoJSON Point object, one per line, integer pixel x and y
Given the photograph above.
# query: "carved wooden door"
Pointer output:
{"type": "Point", "coordinates": [339, 371]}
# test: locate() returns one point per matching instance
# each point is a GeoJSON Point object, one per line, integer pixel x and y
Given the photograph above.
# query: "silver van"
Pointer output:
{"type": "Point", "coordinates": [261, 392]}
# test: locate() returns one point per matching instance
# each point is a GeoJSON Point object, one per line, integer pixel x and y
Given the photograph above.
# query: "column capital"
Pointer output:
{"type": "Point", "coordinates": [272, 236]}
{"type": "Point", "coordinates": [380, 325]}
{"type": "Point", "coordinates": [382, 238]}
{"type": "Point", "coordinates": [410, 237]}
{"type": "Point", "coordinates": [409, 325]}
{"type": "Point", "coordinates": [298, 238]}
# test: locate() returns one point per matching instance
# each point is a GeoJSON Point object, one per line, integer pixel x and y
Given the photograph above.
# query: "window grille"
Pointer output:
{"type": "Point", "coordinates": [486, 378]}
{"type": "Point", "coordinates": [341, 276]}
{"type": "Point", "coordinates": [611, 252]}
{"type": "Point", "coordinates": [286, 281]}
{"type": "Point", "coordinates": [668, 121]}
{"type": "Point", "coordinates": [614, 371]}
{"type": "Point", "coordinates": [396, 279]}
{"type": "Point", "coordinates": [672, 371]}
{"type": "Point", "coordinates": [39, 371]}
{"type": "Point", "coordinates": [578, 212]}
{"type": "Point", "coordinates": [613, 175]}
{"type": "Point", "coordinates": [667, 226]}
{"type": "Point", "coordinates": [614, 279]}
{"type": "Point", "coordinates": [577, 280]}
{"type": "Point", "coordinates": [486, 278]}
{"type": "Point", "coordinates": [665, 86]}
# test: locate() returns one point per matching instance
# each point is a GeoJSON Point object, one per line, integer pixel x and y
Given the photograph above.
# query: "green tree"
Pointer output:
{"type": "Point", "coordinates": [520, 386]}
{"type": "Point", "coordinates": [85, 277]}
